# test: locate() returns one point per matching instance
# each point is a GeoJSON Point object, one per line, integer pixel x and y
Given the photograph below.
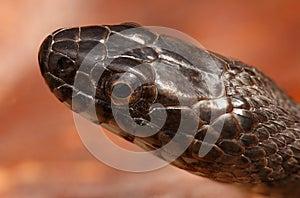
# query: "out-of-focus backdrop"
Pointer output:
{"type": "Point", "coordinates": [41, 154]}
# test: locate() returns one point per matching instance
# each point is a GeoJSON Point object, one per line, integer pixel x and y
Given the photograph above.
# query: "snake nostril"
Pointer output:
{"type": "Point", "coordinates": [65, 64]}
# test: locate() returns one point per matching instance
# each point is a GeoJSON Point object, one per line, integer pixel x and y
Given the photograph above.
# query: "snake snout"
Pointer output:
{"type": "Point", "coordinates": [57, 59]}
{"type": "Point", "coordinates": [43, 54]}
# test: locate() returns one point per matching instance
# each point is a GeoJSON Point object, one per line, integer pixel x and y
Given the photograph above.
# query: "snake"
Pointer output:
{"type": "Point", "coordinates": [248, 126]}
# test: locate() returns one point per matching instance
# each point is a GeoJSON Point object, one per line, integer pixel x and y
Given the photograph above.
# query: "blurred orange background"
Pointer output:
{"type": "Point", "coordinates": [41, 154]}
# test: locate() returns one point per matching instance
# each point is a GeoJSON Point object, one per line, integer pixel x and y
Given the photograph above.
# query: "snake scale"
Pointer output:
{"type": "Point", "coordinates": [249, 124]}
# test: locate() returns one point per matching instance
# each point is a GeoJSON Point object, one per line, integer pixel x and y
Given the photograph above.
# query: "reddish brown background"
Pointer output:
{"type": "Point", "coordinates": [41, 154]}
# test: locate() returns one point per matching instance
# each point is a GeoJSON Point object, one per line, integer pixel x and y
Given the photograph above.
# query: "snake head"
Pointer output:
{"type": "Point", "coordinates": [213, 116]}
{"type": "Point", "coordinates": [97, 68]}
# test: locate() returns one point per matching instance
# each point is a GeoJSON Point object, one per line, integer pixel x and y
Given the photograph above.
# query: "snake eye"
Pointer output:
{"type": "Point", "coordinates": [123, 94]}
{"type": "Point", "coordinates": [124, 89]}
{"type": "Point", "coordinates": [121, 90]}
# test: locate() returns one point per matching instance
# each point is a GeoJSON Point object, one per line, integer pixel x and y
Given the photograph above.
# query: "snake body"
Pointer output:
{"type": "Point", "coordinates": [258, 142]}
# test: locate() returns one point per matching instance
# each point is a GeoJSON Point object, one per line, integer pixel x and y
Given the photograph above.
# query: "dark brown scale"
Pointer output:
{"type": "Point", "coordinates": [208, 132]}
{"type": "Point", "coordinates": [261, 133]}
{"type": "Point", "coordinates": [274, 160]}
{"type": "Point", "coordinates": [94, 33]}
{"type": "Point", "coordinates": [295, 146]}
{"type": "Point", "coordinates": [230, 128]}
{"type": "Point", "coordinates": [66, 34]}
{"type": "Point", "coordinates": [231, 147]}
{"type": "Point", "coordinates": [255, 153]}
{"type": "Point", "coordinates": [209, 110]}
{"type": "Point", "coordinates": [213, 155]}
{"type": "Point", "coordinates": [249, 126]}
{"type": "Point", "coordinates": [239, 103]}
{"type": "Point", "coordinates": [289, 136]}
{"type": "Point", "coordinates": [244, 119]}
{"type": "Point", "coordinates": [228, 159]}
{"type": "Point", "coordinates": [269, 146]}
{"type": "Point", "coordinates": [243, 162]}
{"type": "Point", "coordinates": [249, 140]}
